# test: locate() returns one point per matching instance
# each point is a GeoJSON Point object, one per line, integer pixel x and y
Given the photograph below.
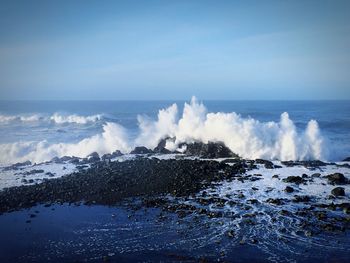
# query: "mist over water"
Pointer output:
{"type": "Point", "coordinates": [77, 134]}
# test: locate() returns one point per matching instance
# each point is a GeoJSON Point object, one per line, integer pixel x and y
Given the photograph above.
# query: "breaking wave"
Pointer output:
{"type": "Point", "coordinates": [56, 118]}
{"type": "Point", "coordinates": [24, 118]}
{"type": "Point", "coordinates": [113, 137]}
{"type": "Point", "coordinates": [247, 137]}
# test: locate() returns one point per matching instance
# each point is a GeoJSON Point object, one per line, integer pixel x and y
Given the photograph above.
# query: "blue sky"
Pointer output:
{"type": "Point", "coordinates": [174, 49]}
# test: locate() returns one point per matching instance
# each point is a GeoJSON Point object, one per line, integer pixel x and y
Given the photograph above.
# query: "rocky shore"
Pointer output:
{"type": "Point", "coordinates": [304, 199]}
{"type": "Point", "coordinates": [108, 183]}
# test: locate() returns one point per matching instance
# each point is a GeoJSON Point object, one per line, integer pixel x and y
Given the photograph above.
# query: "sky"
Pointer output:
{"type": "Point", "coordinates": [169, 49]}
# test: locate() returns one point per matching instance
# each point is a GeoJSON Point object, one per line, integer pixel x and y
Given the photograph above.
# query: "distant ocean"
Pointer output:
{"type": "Point", "coordinates": [285, 130]}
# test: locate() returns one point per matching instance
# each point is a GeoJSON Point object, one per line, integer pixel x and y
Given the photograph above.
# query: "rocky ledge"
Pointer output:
{"type": "Point", "coordinates": [108, 183]}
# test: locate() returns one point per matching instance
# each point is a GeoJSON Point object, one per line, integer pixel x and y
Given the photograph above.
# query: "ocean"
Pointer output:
{"type": "Point", "coordinates": [40, 130]}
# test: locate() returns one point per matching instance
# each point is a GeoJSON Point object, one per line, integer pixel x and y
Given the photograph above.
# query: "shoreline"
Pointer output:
{"type": "Point", "coordinates": [253, 203]}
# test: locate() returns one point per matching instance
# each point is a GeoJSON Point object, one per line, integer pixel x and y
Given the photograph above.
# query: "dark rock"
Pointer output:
{"type": "Point", "coordinates": [308, 233]}
{"type": "Point", "coordinates": [266, 163]}
{"type": "Point", "coordinates": [336, 179]}
{"type": "Point", "coordinates": [55, 160]}
{"type": "Point", "coordinates": [301, 199]}
{"type": "Point", "coordinates": [235, 160]}
{"type": "Point", "coordinates": [26, 163]}
{"type": "Point", "coordinates": [141, 150]}
{"type": "Point", "coordinates": [289, 189]}
{"type": "Point", "coordinates": [106, 156]}
{"type": "Point", "coordinates": [254, 241]}
{"type": "Point", "coordinates": [293, 179]}
{"type": "Point", "coordinates": [209, 150]}
{"type": "Point", "coordinates": [313, 164]}
{"type": "Point", "coordinates": [161, 147]}
{"type": "Point", "coordinates": [253, 201]}
{"type": "Point", "coordinates": [307, 164]}
{"type": "Point", "coordinates": [231, 233]}
{"type": "Point", "coordinates": [344, 165]}
{"type": "Point", "coordinates": [345, 207]}
{"type": "Point", "coordinates": [93, 157]}
{"type": "Point", "coordinates": [275, 176]}
{"type": "Point", "coordinates": [109, 156]}
{"type": "Point", "coordinates": [76, 160]}
{"type": "Point", "coordinates": [17, 166]}
{"type": "Point", "coordinates": [35, 171]}
{"type": "Point", "coordinates": [240, 195]}
{"type": "Point", "coordinates": [65, 158]}
{"type": "Point", "coordinates": [116, 153]}
{"type": "Point", "coordinates": [284, 212]}
{"type": "Point", "coordinates": [346, 159]}
{"type": "Point", "coordinates": [304, 176]}
{"type": "Point", "coordinates": [275, 201]}
{"type": "Point", "coordinates": [338, 191]}
{"type": "Point", "coordinates": [49, 174]}
{"type": "Point", "coordinates": [315, 175]}
{"type": "Point", "coordinates": [290, 163]}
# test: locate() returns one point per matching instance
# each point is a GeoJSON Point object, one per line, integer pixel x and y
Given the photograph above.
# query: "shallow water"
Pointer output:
{"type": "Point", "coordinates": [93, 234]}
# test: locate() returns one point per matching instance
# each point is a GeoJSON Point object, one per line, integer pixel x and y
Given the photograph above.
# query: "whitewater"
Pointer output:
{"type": "Point", "coordinates": [248, 137]}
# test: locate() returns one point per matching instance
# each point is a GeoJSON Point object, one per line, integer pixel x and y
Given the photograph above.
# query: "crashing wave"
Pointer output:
{"type": "Point", "coordinates": [247, 137]}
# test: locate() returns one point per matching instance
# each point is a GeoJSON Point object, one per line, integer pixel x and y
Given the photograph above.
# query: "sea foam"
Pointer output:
{"type": "Point", "coordinates": [247, 137]}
